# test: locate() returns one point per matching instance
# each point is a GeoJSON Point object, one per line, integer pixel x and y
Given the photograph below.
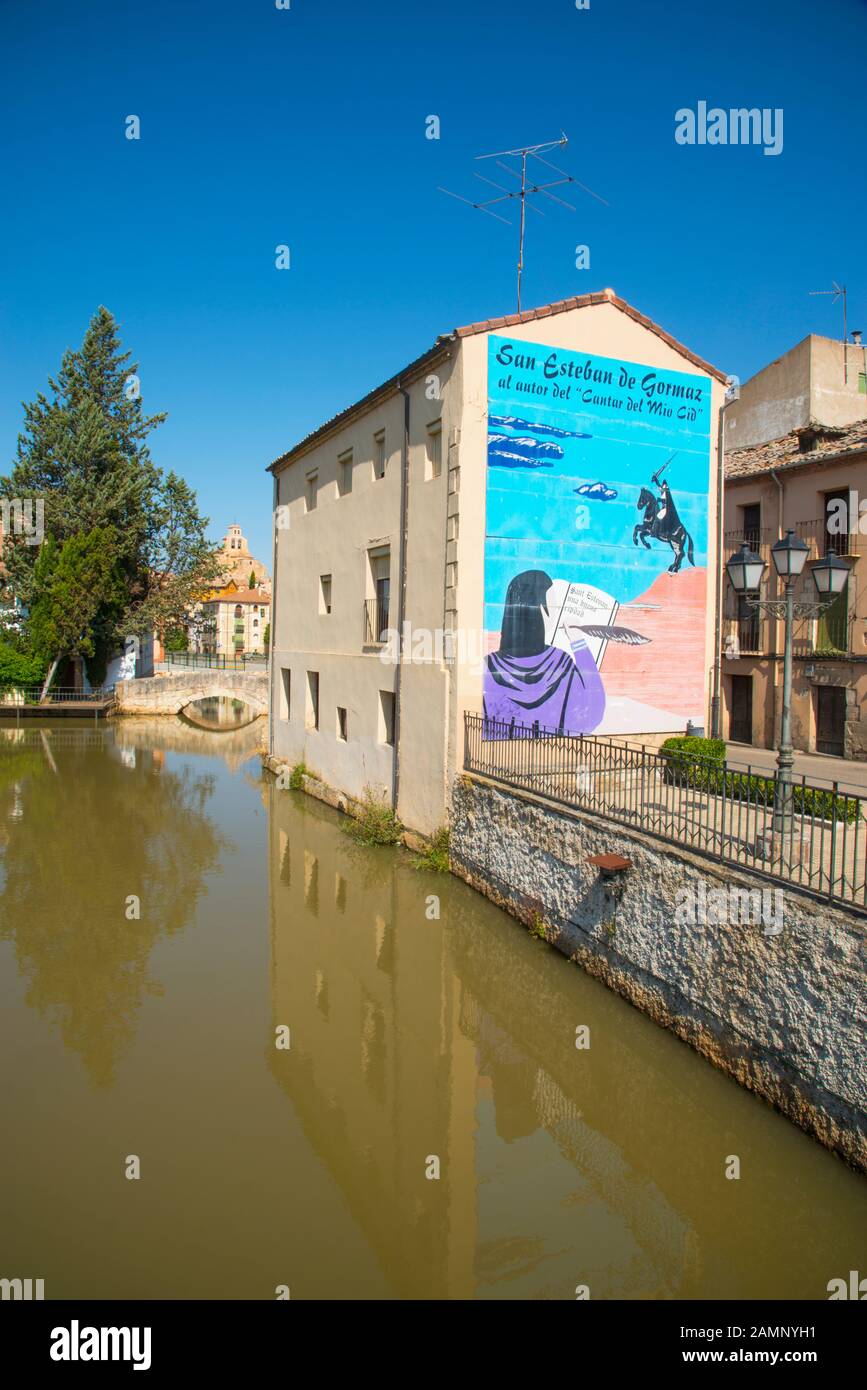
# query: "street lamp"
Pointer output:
{"type": "Point", "coordinates": [745, 570]}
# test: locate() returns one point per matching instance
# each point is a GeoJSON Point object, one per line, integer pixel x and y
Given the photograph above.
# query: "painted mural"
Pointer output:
{"type": "Point", "coordinates": [595, 545]}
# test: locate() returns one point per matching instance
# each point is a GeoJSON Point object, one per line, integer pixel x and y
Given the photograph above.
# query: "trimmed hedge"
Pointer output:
{"type": "Point", "coordinates": [700, 763]}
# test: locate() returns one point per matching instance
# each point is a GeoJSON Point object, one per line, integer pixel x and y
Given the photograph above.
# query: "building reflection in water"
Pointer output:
{"type": "Point", "coordinates": [403, 1047]}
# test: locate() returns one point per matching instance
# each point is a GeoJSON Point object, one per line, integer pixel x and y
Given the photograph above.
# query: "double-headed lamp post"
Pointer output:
{"type": "Point", "coordinates": [745, 570]}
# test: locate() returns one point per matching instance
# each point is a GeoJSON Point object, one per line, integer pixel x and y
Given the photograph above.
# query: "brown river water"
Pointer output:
{"type": "Point", "coordinates": [414, 1042]}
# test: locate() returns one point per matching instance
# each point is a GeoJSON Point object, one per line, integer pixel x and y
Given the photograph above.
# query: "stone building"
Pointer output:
{"type": "Point", "coordinates": [239, 564]}
{"type": "Point", "coordinates": [233, 621]}
{"type": "Point", "coordinates": [813, 481]}
{"type": "Point", "coordinates": [519, 525]}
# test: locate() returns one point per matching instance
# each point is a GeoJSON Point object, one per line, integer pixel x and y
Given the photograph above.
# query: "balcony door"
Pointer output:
{"type": "Point", "coordinates": [741, 710]}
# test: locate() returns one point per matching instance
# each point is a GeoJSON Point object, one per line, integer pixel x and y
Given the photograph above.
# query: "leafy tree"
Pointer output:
{"type": "Point", "coordinates": [266, 637]}
{"type": "Point", "coordinates": [79, 598]}
{"type": "Point", "coordinates": [252, 580]}
{"type": "Point", "coordinates": [83, 450]}
{"type": "Point", "coordinates": [176, 639]}
{"type": "Point", "coordinates": [19, 667]}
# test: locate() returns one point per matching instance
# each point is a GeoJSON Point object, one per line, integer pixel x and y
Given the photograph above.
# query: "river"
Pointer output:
{"type": "Point", "coordinates": [417, 1045]}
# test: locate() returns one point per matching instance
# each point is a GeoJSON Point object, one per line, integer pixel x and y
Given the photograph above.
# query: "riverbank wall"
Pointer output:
{"type": "Point", "coordinates": [765, 982]}
{"type": "Point", "coordinates": [770, 989]}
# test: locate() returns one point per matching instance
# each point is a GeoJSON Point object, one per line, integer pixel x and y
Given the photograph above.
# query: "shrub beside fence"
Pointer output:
{"type": "Point", "coordinates": [685, 792]}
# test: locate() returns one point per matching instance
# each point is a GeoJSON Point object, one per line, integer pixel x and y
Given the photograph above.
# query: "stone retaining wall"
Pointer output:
{"type": "Point", "coordinates": [777, 1003]}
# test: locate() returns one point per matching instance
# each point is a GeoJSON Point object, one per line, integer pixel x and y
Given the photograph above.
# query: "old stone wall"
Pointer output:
{"type": "Point", "coordinates": [776, 1000]}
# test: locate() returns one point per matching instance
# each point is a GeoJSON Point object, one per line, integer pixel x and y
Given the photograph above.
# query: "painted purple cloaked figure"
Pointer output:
{"type": "Point", "coordinates": [527, 682]}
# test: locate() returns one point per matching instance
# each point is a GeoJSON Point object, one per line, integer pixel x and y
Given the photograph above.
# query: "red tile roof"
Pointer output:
{"type": "Point", "coordinates": [832, 442]}
{"type": "Point", "coordinates": [441, 346]}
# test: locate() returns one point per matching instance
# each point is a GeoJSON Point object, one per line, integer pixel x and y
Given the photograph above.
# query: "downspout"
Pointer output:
{"type": "Point", "coordinates": [272, 695]}
{"type": "Point", "coordinates": [715, 712]}
{"type": "Point", "coordinates": [401, 596]}
{"type": "Point", "coordinates": [776, 620]}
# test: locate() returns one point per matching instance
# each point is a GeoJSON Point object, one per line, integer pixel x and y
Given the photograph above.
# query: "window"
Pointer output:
{"type": "Point", "coordinates": [285, 693]}
{"type": "Point", "coordinates": [751, 524]}
{"type": "Point", "coordinates": [379, 454]}
{"type": "Point", "coordinates": [862, 383]}
{"type": "Point", "coordinates": [386, 717]}
{"type": "Point", "coordinates": [341, 724]}
{"type": "Point", "coordinates": [344, 474]}
{"type": "Point", "coordinates": [837, 522]}
{"type": "Point", "coordinates": [312, 491]}
{"type": "Point", "coordinates": [325, 593]}
{"type": "Point", "coordinates": [313, 699]}
{"type": "Point", "coordinates": [377, 608]}
{"type": "Point", "coordinates": [434, 450]}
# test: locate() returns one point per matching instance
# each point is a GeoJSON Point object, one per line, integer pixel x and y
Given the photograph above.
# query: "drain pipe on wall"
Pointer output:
{"type": "Point", "coordinates": [401, 597]}
{"type": "Point", "coordinates": [732, 394]}
{"type": "Point", "coordinates": [272, 694]}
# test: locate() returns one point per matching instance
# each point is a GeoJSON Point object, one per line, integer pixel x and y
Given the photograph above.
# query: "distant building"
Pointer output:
{"type": "Point", "coordinates": [238, 564]}
{"type": "Point", "coordinates": [233, 621]}
{"type": "Point", "coordinates": [819, 379]}
{"type": "Point", "coordinates": [812, 480]}
{"type": "Point", "coordinates": [517, 527]}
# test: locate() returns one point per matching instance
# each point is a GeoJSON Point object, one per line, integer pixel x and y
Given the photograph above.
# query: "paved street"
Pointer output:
{"type": "Point", "coordinates": [816, 767]}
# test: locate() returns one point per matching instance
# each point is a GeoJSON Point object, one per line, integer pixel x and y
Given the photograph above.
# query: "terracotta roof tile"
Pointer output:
{"type": "Point", "coordinates": [831, 442]}
{"type": "Point", "coordinates": [441, 346]}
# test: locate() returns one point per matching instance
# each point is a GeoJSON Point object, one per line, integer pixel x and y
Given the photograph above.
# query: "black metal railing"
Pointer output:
{"type": "Point", "coordinates": [213, 661]}
{"type": "Point", "coordinates": [57, 695]}
{"type": "Point", "coordinates": [375, 622]}
{"type": "Point", "coordinates": [817, 841]}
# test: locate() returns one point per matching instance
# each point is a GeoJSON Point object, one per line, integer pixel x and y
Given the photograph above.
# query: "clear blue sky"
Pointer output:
{"type": "Point", "coordinates": [307, 127]}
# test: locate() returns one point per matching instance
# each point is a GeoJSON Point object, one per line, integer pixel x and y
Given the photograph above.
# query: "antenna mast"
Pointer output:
{"type": "Point", "coordinates": [839, 292]}
{"type": "Point", "coordinates": [526, 190]}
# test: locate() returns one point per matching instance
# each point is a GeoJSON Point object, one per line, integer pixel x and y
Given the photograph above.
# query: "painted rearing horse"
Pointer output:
{"type": "Point", "coordinates": [662, 523]}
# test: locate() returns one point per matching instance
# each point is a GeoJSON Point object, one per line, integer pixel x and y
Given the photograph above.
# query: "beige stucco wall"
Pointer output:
{"type": "Point", "coordinates": [336, 539]}
{"type": "Point", "coordinates": [806, 383]}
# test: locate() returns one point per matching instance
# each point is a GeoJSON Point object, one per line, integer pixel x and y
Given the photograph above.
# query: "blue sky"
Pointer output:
{"type": "Point", "coordinates": [307, 127]}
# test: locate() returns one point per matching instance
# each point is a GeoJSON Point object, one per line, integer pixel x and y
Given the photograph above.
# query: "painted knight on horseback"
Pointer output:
{"type": "Point", "coordinates": [661, 521]}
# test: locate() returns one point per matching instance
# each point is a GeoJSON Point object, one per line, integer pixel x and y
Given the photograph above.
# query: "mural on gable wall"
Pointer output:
{"type": "Point", "coordinates": [595, 543]}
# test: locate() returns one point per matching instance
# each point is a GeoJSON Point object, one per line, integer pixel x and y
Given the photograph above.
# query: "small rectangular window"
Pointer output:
{"type": "Point", "coordinates": [325, 593]}
{"type": "Point", "coordinates": [434, 449]}
{"type": "Point", "coordinates": [386, 717]}
{"type": "Point", "coordinates": [285, 693]}
{"type": "Point", "coordinates": [342, 723]}
{"type": "Point", "coordinates": [379, 454]}
{"type": "Point", "coordinates": [862, 383]}
{"type": "Point", "coordinates": [313, 699]}
{"type": "Point", "coordinates": [344, 474]}
{"type": "Point", "coordinates": [312, 491]}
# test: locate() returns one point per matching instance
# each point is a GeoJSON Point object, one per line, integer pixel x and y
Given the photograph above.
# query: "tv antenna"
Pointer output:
{"type": "Point", "coordinates": [527, 190]}
{"type": "Point", "coordinates": [839, 292]}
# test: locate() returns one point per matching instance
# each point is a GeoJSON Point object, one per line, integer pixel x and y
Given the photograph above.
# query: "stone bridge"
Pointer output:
{"type": "Point", "coordinates": [172, 694]}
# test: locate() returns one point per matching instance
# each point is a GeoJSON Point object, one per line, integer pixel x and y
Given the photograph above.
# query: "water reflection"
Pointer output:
{"type": "Point", "coordinates": [412, 1039]}
{"type": "Point", "coordinates": [219, 713]}
{"type": "Point", "coordinates": [456, 1038]}
{"type": "Point", "coordinates": [85, 827]}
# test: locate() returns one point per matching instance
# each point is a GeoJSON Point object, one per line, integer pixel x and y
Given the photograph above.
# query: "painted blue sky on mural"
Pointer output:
{"type": "Point", "coordinates": [572, 509]}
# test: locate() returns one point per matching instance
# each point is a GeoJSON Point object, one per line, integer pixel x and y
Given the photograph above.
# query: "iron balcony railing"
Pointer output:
{"type": "Point", "coordinates": [710, 807]}
{"type": "Point", "coordinates": [375, 622]}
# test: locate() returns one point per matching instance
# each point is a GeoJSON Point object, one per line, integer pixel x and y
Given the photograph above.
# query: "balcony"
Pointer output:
{"type": "Point", "coordinates": [375, 632]}
{"type": "Point", "coordinates": [822, 541]}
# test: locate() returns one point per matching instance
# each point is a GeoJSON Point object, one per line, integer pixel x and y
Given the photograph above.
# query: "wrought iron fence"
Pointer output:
{"type": "Point", "coordinates": [58, 695]}
{"type": "Point", "coordinates": [214, 661]}
{"type": "Point", "coordinates": [726, 813]}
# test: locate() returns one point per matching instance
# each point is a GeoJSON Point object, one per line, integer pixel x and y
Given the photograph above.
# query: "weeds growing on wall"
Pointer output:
{"type": "Point", "coordinates": [435, 855]}
{"type": "Point", "coordinates": [296, 776]}
{"type": "Point", "coordinates": [374, 822]}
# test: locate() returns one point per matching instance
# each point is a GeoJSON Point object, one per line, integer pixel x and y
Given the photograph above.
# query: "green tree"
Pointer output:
{"type": "Point", "coordinates": [78, 600]}
{"type": "Point", "coordinates": [83, 450]}
{"type": "Point", "coordinates": [252, 580]}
